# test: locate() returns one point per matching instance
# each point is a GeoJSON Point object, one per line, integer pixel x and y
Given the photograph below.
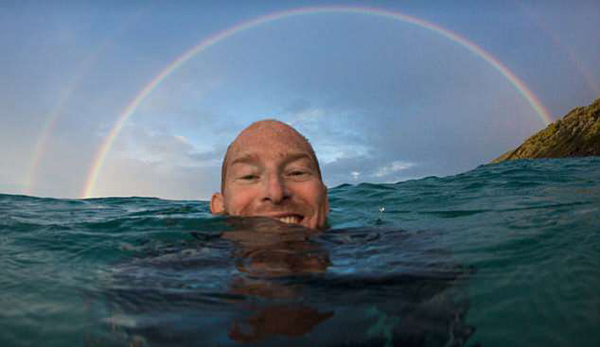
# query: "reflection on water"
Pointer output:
{"type": "Point", "coordinates": [151, 272]}
{"type": "Point", "coordinates": [264, 283]}
{"type": "Point", "coordinates": [267, 249]}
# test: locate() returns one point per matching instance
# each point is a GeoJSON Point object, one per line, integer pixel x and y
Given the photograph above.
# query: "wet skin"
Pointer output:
{"type": "Point", "coordinates": [270, 170]}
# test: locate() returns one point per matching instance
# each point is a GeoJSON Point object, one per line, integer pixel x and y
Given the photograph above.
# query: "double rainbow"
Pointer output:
{"type": "Point", "coordinates": [100, 156]}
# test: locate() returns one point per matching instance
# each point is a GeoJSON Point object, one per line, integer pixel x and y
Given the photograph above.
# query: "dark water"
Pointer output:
{"type": "Point", "coordinates": [504, 255]}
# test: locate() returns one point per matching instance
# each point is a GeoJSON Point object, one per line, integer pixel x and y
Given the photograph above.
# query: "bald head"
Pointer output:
{"type": "Point", "coordinates": [271, 170]}
{"type": "Point", "coordinates": [261, 132]}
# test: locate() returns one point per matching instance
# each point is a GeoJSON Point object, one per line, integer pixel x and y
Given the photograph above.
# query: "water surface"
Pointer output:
{"type": "Point", "coordinates": [505, 254]}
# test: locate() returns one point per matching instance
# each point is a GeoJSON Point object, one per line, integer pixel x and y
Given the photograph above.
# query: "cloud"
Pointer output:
{"type": "Point", "coordinates": [163, 148]}
{"type": "Point", "coordinates": [333, 137]}
{"type": "Point", "coordinates": [309, 115]}
{"type": "Point", "coordinates": [380, 100]}
{"type": "Point", "coordinates": [368, 168]}
{"type": "Point", "coordinates": [150, 162]}
{"type": "Point", "coordinates": [392, 168]}
{"type": "Point", "coordinates": [131, 177]}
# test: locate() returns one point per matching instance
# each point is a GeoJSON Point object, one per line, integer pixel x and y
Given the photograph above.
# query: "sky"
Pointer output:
{"type": "Point", "coordinates": [141, 98]}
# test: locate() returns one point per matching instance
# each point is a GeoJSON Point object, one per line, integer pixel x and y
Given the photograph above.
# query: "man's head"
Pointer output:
{"type": "Point", "coordinates": [271, 170]}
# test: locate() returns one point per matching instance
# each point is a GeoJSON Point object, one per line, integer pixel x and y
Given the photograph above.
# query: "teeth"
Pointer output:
{"type": "Point", "coordinates": [289, 220]}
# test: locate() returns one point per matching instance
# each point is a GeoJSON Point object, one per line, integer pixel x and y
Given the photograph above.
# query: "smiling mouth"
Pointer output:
{"type": "Point", "coordinates": [290, 219]}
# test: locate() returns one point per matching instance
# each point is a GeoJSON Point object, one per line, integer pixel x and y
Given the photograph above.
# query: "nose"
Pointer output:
{"type": "Point", "coordinates": [275, 189]}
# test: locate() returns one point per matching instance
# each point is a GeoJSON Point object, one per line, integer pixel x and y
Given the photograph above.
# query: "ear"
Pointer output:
{"type": "Point", "coordinates": [217, 205]}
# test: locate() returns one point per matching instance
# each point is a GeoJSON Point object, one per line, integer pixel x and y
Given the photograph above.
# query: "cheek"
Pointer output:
{"type": "Point", "coordinates": [237, 201]}
{"type": "Point", "coordinates": [317, 196]}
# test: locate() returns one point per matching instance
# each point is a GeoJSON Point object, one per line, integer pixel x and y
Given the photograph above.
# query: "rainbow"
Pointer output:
{"type": "Point", "coordinates": [54, 116]}
{"type": "Point", "coordinates": [58, 111]}
{"type": "Point", "coordinates": [103, 150]}
{"type": "Point", "coordinates": [581, 68]}
{"type": "Point", "coordinates": [42, 142]}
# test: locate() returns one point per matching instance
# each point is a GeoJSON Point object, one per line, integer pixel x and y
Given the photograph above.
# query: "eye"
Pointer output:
{"type": "Point", "coordinates": [298, 173]}
{"type": "Point", "coordinates": [250, 177]}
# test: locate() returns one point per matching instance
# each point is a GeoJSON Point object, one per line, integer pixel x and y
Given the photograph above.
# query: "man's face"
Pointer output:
{"type": "Point", "coordinates": [270, 172]}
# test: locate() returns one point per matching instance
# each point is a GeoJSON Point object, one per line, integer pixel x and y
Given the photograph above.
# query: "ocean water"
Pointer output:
{"type": "Point", "coordinates": [503, 255]}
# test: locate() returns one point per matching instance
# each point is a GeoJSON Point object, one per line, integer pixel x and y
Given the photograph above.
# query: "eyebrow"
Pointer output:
{"type": "Point", "coordinates": [252, 158]}
{"type": "Point", "coordinates": [244, 159]}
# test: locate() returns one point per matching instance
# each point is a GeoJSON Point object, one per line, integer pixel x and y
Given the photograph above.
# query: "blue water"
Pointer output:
{"type": "Point", "coordinates": [503, 255]}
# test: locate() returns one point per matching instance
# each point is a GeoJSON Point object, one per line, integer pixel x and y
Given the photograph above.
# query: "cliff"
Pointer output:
{"type": "Point", "coordinates": [575, 135]}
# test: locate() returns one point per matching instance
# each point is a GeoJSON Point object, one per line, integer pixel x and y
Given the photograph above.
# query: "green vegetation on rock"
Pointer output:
{"type": "Point", "coordinates": [575, 135]}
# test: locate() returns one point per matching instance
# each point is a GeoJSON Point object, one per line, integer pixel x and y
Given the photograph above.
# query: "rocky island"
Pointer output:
{"type": "Point", "coordinates": [575, 135]}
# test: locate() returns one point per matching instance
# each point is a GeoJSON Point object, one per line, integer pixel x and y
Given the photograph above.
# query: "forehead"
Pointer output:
{"type": "Point", "coordinates": [272, 142]}
{"type": "Point", "coordinates": [273, 133]}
